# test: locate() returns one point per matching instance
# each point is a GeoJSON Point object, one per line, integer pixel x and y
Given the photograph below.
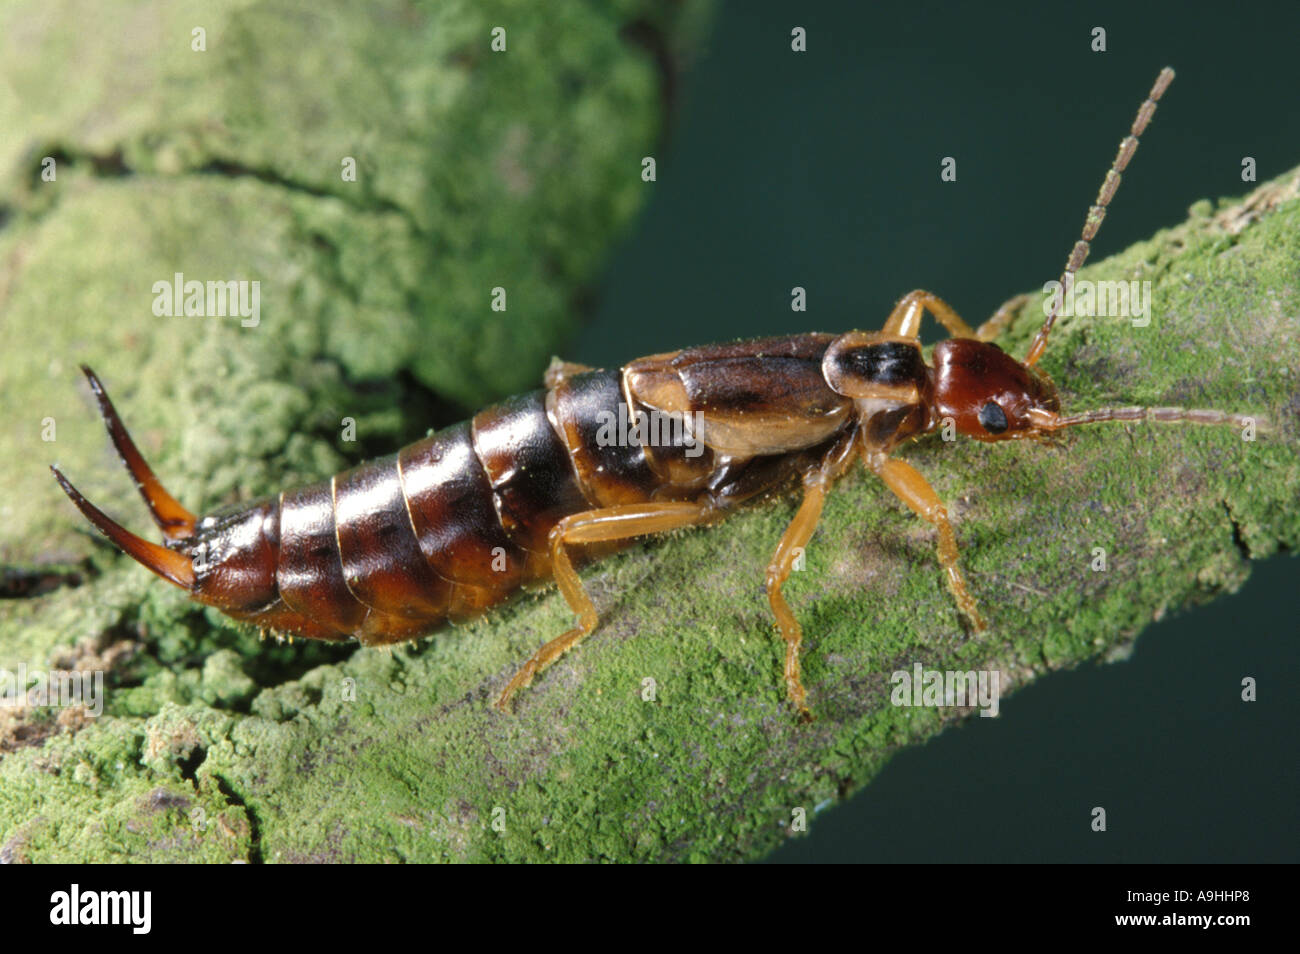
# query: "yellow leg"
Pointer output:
{"type": "Point", "coordinates": [595, 526]}
{"type": "Point", "coordinates": [911, 488]}
{"type": "Point", "coordinates": [905, 320]}
{"type": "Point", "coordinates": [795, 539]}
{"type": "Point", "coordinates": [816, 484]}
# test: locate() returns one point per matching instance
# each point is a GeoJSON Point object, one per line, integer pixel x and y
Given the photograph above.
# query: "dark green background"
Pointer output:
{"type": "Point", "coordinates": [821, 169]}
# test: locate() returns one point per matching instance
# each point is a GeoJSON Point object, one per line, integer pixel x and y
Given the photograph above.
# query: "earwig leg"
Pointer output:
{"type": "Point", "coordinates": [596, 526]}
{"type": "Point", "coordinates": [911, 488]}
{"type": "Point", "coordinates": [559, 369]}
{"type": "Point", "coordinates": [795, 538]}
{"type": "Point", "coordinates": [998, 321]}
{"type": "Point", "coordinates": [905, 320]}
{"type": "Point", "coordinates": [816, 484]}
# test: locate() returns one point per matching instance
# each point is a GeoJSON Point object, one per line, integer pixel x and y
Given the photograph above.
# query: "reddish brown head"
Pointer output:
{"type": "Point", "coordinates": [988, 394]}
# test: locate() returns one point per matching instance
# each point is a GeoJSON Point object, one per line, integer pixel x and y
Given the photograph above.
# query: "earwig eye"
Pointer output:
{"type": "Point", "coordinates": [992, 418]}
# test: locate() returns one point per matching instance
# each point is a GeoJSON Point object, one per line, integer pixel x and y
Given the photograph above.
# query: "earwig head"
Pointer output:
{"type": "Point", "coordinates": [991, 397]}
{"type": "Point", "coordinates": [988, 394]}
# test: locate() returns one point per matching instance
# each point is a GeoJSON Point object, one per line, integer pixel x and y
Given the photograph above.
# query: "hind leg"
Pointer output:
{"type": "Point", "coordinates": [596, 526]}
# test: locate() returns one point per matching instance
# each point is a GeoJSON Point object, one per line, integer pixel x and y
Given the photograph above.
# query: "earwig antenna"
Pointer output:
{"type": "Point", "coordinates": [1097, 213]}
{"type": "Point", "coordinates": [1162, 415]}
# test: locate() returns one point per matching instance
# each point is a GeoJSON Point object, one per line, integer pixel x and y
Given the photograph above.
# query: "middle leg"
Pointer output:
{"type": "Point", "coordinates": [794, 540]}
{"type": "Point", "coordinates": [816, 483]}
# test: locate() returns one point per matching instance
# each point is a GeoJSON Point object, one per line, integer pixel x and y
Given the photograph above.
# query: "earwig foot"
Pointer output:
{"type": "Point", "coordinates": [794, 689]}
{"type": "Point", "coordinates": [522, 680]}
{"type": "Point", "coordinates": [502, 704]}
{"type": "Point", "coordinates": [968, 610]}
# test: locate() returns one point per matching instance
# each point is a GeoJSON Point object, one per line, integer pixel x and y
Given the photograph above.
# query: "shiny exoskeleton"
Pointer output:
{"type": "Point", "coordinates": [455, 523]}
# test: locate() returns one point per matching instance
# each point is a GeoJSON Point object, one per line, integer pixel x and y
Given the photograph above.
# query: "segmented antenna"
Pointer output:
{"type": "Point", "coordinates": [1164, 415]}
{"type": "Point", "coordinates": [1098, 211]}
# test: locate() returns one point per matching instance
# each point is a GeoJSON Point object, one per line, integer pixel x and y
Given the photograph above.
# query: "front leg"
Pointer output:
{"type": "Point", "coordinates": [905, 320]}
{"type": "Point", "coordinates": [913, 489]}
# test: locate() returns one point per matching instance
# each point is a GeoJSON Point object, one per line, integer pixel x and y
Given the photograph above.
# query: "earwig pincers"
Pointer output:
{"type": "Point", "coordinates": [451, 525]}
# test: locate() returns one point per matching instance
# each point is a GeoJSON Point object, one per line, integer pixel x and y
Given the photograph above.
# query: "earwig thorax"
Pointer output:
{"type": "Point", "coordinates": [865, 365]}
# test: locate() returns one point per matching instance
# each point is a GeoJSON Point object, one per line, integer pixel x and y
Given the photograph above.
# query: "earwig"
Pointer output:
{"type": "Point", "coordinates": [452, 525]}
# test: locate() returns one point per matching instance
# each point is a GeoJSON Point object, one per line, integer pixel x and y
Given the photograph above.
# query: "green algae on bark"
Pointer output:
{"type": "Point", "coordinates": [397, 755]}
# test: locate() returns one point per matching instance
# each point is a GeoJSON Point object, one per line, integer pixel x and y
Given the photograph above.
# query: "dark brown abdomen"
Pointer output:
{"type": "Point", "coordinates": [453, 524]}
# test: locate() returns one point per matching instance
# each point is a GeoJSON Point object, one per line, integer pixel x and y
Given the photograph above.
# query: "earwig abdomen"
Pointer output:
{"type": "Point", "coordinates": [382, 563]}
{"type": "Point", "coordinates": [235, 554]}
{"type": "Point", "coordinates": [309, 572]}
{"type": "Point", "coordinates": [449, 500]}
{"type": "Point", "coordinates": [610, 473]}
